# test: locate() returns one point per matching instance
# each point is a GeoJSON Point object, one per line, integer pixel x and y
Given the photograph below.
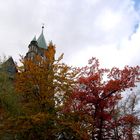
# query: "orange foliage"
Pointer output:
{"type": "Point", "coordinates": [44, 84]}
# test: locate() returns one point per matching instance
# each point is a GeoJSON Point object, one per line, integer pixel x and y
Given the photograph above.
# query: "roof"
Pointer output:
{"type": "Point", "coordinates": [34, 39]}
{"type": "Point", "coordinates": [9, 66]}
{"type": "Point", "coordinates": [41, 41]}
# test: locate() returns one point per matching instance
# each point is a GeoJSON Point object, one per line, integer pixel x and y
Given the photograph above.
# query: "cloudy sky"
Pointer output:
{"type": "Point", "coordinates": [81, 29]}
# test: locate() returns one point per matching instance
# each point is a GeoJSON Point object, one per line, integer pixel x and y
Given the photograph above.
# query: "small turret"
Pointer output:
{"type": "Point", "coordinates": [34, 42]}
{"type": "Point", "coordinates": [34, 39]}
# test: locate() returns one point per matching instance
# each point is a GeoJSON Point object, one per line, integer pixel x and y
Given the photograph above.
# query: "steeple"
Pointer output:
{"type": "Point", "coordinates": [41, 40]}
{"type": "Point", "coordinates": [37, 46]}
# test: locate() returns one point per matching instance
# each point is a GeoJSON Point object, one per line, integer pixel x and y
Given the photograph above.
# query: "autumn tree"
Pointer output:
{"type": "Point", "coordinates": [55, 101]}
{"type": "Point", "coordinates": [93, 103]}
{"type": "Point", "coordinates": [43, 84]}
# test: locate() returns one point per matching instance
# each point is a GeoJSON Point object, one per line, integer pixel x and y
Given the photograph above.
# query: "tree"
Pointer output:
{"type": "Point", "coordinates": [55, 101]}
{"type": "Point", "coordinates": [43, 84]}
{"type": "Point", "coordinates": [128, 113]}
{"type": "Point", "coordinates": [9, 102]}
{"type": "Point", "coordinates": [95, 98]}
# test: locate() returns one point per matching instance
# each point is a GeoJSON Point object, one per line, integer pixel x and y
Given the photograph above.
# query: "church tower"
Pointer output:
{"type": "Point", "coordinates": [37, 47]}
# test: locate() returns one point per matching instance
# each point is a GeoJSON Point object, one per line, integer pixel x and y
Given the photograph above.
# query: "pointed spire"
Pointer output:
{"type": "Point", "coordinates": [41, 40]}
{"type": "Point", "coordinates": [34, 39]}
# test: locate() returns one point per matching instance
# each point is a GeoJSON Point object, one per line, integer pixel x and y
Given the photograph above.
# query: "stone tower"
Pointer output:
{"type": "Point", "coordinates": [37, 47]}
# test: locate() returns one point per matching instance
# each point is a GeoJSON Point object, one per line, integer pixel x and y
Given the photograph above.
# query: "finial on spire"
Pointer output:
{"type": "Point", "coordinates": [42, 27]}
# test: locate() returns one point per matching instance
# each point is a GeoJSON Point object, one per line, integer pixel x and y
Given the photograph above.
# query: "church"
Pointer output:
{"type": "Point", "coordinates": [36, 47]}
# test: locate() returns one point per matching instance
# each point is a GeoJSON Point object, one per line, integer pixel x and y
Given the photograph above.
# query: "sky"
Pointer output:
{"type": "Point", "coordinates": [106, 29]}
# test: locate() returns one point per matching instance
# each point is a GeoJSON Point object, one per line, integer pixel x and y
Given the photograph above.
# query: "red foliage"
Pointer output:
{"type": "Point", "coordinates": [97, 94]}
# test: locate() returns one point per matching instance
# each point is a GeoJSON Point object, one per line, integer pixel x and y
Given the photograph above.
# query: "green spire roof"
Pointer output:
{"type": "Point", "coordinates": [34, 39]}
{"type": "Point", "coordinates": [41, 41]}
